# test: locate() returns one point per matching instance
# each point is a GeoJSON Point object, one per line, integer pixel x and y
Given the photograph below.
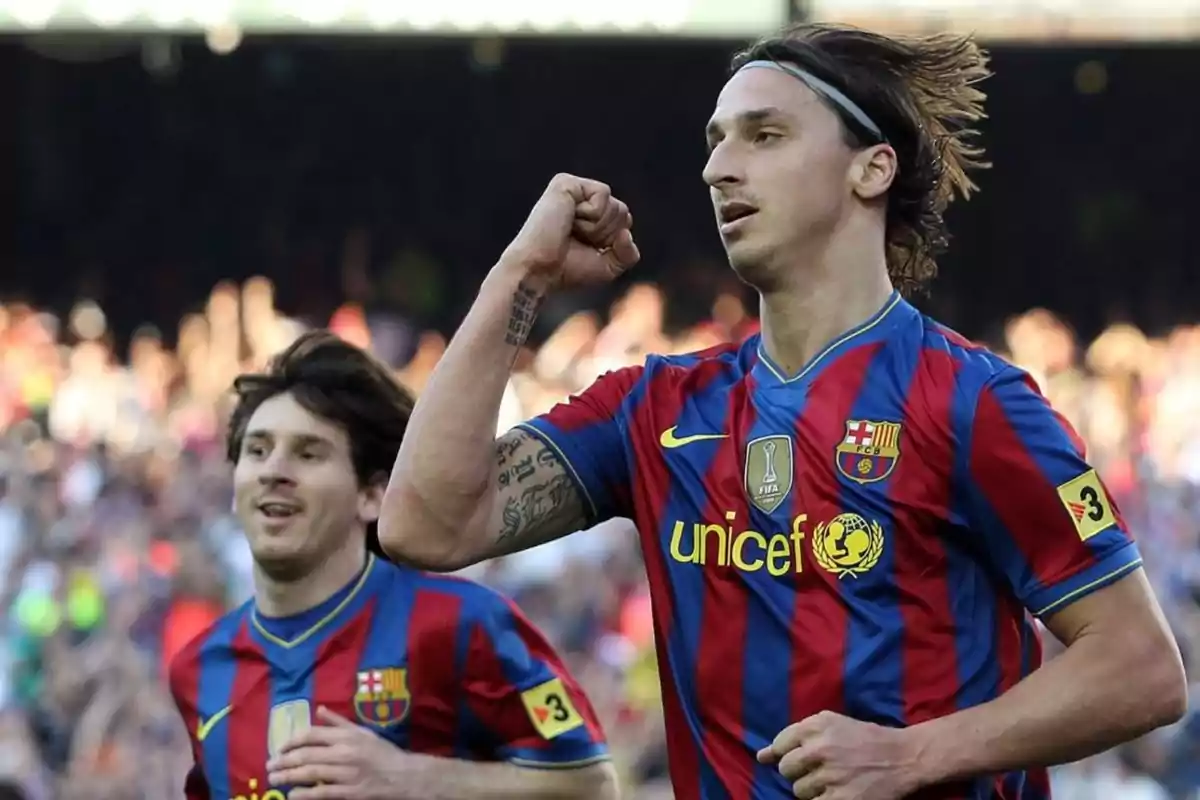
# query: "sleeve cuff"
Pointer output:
{"type": "Point", "coordinates": [557, 758]}
{"type": "Point", "coordinates": [546, 438]}
{"type": "Point", "coordinates": [1107, 570]}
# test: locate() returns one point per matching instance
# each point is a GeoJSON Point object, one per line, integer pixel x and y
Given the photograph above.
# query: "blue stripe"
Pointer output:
{"type": "Point", "coordinates": [874, 677]}
{"type": "Point", "coordinates": [386, 640]}
{"type": "Point", "coordinates": [975, 611]}
{"type": "Point", "coordinates": [686, 496]}
{"type": "Point", "coordinates": [290, 676]}
{"type": "Point", "coordinates": [770, 608]}
{"type": "Point", "coordinates": [974, 605]}
{"type": "Point", "coordinates": [218, 669]}
{"type": "Point", "coordinates": [466, 725]}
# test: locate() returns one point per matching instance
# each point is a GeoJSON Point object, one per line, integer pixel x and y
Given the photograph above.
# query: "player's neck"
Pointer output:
{"type": "Point", "coordinates": [276, 598]}
{"type": "Point", "coordinates": [821, 299]}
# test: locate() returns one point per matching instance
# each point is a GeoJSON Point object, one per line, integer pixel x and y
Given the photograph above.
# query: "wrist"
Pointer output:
{"type": "Point", "coordinates": [934, 752]}
{"type": "Point", "coordinates": [515, 270]}
{"type": "Point", "coordinates": [403, 777]}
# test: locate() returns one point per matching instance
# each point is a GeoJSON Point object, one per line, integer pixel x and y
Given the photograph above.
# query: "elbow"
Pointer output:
{"type": "Point", "coordinates": [1172, 703]}
{"type": "Point", "coordinates": [411, 534]}
{"type": "Point", "coordinates": [1162, 687]}
{"type": "Point", "coordinates": [600, 783]}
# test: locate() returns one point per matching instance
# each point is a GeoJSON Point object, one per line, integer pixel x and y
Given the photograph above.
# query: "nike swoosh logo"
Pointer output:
{"type": "Point", "coordinates": [205, 727]}
{"type": "Point", "coordinates": [670, 441]}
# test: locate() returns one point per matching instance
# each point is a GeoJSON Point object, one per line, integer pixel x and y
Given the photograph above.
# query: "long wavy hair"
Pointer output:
{"type": "Point", "coordinates": [923, 93]}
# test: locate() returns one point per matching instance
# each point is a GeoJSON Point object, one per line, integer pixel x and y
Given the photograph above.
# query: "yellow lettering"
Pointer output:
{"type": "Point", "coordinates": [798, 534]}
{"type": "Point", "coordinates": [740, 542]}
{"type": "Point", "coordinates": [779, 560]}
{"type": "Point", "coordinates": [270, 794]}
{"type": "Point", "coordinates": [702, 532]}
{"type": "Point", "coordinates": [748, 550]}
{"type": "Point", "coordinates": [677, 545]}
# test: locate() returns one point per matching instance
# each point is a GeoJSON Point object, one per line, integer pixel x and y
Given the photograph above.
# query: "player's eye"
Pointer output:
{"type": "Point", "coordinates": [310, 455]}
{"type": "Point", "coordinates": [766, 137]}
{"type": "Point", "coordinates": [254, 449]}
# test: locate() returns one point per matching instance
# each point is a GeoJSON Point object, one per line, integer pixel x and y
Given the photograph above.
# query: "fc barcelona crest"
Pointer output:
{"type": "Point", "coordinates": [382, 699]}
{"type": "Point", "coordinates": [869, 450]}
{"type": "Point", "coordinates": [769, 471]}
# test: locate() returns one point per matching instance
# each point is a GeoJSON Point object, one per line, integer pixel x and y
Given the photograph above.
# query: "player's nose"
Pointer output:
{"type": "Point", "coordinates": [722, 168]}
{"type": "Point", "coordinates": [276, 470]}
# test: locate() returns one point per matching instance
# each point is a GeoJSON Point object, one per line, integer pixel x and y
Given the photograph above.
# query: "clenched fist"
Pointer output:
{"type": "Point", "coordinates": [577, 233]}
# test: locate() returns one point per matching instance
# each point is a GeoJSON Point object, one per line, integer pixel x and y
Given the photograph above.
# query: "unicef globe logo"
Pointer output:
{"type": "Point", "coordinates": [848, 545]}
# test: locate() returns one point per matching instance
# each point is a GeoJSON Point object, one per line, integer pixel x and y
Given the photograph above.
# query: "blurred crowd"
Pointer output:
{"type": "Point", "coordinates": [117, 544]}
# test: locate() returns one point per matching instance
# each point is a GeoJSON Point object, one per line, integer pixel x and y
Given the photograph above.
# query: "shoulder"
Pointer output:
{"type": "Point", "coordinates": [949, 358]}
{"type": "Point", "coordinates": [694, 372]}
{"type": "Point", "coordinates": [459, 601]}
{"type": "Point", "coordinates": [217, 638]}
{"type": "Point", "coordinates": [966, 359]}
{"type": "Point", "coordinates": [726, 356]}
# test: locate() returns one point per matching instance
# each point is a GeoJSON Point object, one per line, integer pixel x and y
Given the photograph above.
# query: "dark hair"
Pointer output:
{"type": "Point", "coordinates": [921, 91]}
{"type": "Point", "coordinates": [338, 382]}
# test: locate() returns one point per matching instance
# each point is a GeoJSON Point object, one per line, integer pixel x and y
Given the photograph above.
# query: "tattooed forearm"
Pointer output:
{"type": "Point", "coordinates": [537, 510]}
{"type": "Point", "coordinates": [537, 501]}
{"type": "Point", "coordinates": [526, 302]}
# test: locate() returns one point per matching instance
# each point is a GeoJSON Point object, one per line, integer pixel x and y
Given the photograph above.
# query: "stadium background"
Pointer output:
{"type": "Point", "coordinates": [186, 185]}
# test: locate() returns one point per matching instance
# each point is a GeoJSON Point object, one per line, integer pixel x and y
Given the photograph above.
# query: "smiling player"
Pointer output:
{"type": "Point", "coordinates": [453, 694]}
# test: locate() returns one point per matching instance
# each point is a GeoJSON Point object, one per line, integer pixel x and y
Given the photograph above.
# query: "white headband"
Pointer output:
{"type": "Point", "coordinates": [823, 88]}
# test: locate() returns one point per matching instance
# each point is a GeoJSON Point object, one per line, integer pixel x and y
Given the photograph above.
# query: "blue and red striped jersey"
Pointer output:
{"type": "Point", "coordinates": [873, 535]}
{"type": "Point", "coordinates": [435, 664]}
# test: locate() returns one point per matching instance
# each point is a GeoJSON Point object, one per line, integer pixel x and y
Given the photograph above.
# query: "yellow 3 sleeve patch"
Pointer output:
{"type": "Point", "coordinates": [1088, 504]}
{"type": "Point", "coordinates": [550, 709]}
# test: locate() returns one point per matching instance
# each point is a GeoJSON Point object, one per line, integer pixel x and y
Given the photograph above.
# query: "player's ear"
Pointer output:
{"type": "Point", "coordinates": [370, 499]}
{"type": "Point", "coordinates": [872, 171]}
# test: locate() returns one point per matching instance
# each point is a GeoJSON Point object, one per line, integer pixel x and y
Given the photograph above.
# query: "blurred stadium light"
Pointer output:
{"type": "Point", "coordinates": [691, 18]}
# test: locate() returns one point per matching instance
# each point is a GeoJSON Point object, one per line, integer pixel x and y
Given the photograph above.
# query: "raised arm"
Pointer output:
{"type": "Point", "coordinates": [456, 495]}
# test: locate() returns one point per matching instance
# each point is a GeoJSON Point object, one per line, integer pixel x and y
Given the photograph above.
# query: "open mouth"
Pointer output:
{"type": "Point", "coordinates": [730, 213]}
{"type": "Point", "coordinates": [278, 510]}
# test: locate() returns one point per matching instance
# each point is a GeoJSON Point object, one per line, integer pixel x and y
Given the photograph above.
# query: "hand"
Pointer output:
{"type": "Point", "coordinates": [337, 761]}
{"type": "Point", "coordinates": [832, 757]}
{"type": "Point", "coordinates": [577, 233]}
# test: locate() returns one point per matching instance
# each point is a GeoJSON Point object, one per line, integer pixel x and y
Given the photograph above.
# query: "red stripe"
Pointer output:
{"type": "Point", "coordinates": [816, 675]}
{"type": "Point", "coordinates": [1010, 615]}
{"type": "Point", "coordinates": [722, 650]}
{"type": "Point", "coordinates": [1036, 524]}
{"type": "Point", "coordinates": [956, 338]}
{"type": "Point", "coordinates": [600, 403]}
{"type": "Point", "coordinates": [660, 409]}
{"type": "Point", "coordinates": [543, 653]}
{"type": "Point", "coordinates": [1010, 623]}
{"type": "Point", "coordinates": [920, 497]}
{"type": "Point", "coordinates": [335, 679]}
{"type": "Point", "coordinates": [184, 679]}
{"type": "Point", "coordinates": [250, 701]}
{"type": "Point", "coordinates": [919, 492]}
{"type": "Point", "coordinates": [433, 673]}
{"type": "Point", "coordinates": [493, 699]}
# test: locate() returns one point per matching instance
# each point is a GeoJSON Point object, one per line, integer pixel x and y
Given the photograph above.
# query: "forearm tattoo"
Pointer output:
{"type": "Point", "coordinates": [540, 502]}
{"type": "Point", "coordinates": [525, 305]}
